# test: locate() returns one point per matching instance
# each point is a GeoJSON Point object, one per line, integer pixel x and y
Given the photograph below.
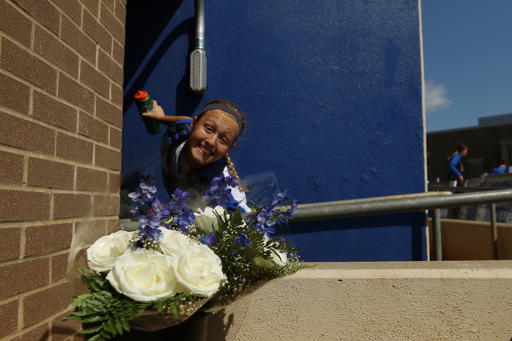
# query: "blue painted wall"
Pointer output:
{"type": "Point", "coordinates": [332, 89]}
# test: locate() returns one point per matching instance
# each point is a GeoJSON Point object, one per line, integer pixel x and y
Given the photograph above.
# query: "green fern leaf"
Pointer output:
{"type": "Point", "coordinates": [81, 313]}
{"type": "Point", "coordinates": [126, 325]}
{"type": "Point", "coordinates": [99, 296]}
{"type": "Point", "coordinates": [119, 327]}
{"type": "Point", "coordinates": [91, 330]}
{"type": "Point", "coordinates": [79, 300]}
{"type": "Point", "coordinates": [70, 317]}
{"type": "Point", "coordinates": [95, 338]}
{"type": "Point", "coordinates": [93, 286]}
{"type": "Point", "coordinates": [110, 327]}
{"type": "Point", "coordinates": [105, 335]}
{"type": "Point", "coordinates": [92, 319]}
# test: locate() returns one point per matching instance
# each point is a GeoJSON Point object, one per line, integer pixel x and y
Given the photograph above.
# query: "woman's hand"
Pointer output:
{"type": "Point", "coordinates": [157, 113]}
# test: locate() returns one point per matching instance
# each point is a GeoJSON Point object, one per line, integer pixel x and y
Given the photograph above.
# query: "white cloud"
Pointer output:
{"type": "Point", "coordinates": [435, 97]}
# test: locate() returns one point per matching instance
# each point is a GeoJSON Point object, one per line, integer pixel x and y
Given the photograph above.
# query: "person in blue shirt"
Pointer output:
{"type": "Point", "coordinates": [455, 168]}
{"type": "Point", "coordinates": [501, 167]}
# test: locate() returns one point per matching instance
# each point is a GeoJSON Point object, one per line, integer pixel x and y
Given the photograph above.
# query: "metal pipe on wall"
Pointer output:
{"type": "Point", "coordinates": [199, 11]}
{"type": "Point", "coordinates": [198, 57]}
{"type": "Point", "coordinates": [325, 210]}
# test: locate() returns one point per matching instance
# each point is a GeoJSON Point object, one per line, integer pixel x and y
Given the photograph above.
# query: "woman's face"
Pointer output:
{"type": "Point", "coordinates": [212, 137]}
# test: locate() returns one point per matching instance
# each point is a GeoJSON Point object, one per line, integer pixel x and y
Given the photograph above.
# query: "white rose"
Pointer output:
{"type": "Point", "coordinates": [172, 242]}
{"type": "Point", "coordinates": [104, 252]}
{"type": "Point", "coordinates": [279, 257]}
{"type": "Point", "coordinates": [207, 221]}
{"type": "Point", "coordinates": [143, 275]}
{"type": "Point", "coordinates": [198, 269]}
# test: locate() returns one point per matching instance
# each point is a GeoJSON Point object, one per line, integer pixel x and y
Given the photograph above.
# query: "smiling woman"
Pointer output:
{"type": "Point", "coordinates": [196, 150]}
{"type": "Point", "coordinates": [212, 136]}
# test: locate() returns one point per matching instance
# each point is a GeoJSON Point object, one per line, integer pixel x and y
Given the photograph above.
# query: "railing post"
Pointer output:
{"type": "Point", "coordinates": [494, 231]}
{"type": "Point", "coordinates": [436, 229]}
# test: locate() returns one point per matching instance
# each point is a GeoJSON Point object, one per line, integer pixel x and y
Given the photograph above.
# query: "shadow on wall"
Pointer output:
{"type": "Point", "coordinates": [211, 327]}
{"type": "Point", "coordinates": [142, 36]}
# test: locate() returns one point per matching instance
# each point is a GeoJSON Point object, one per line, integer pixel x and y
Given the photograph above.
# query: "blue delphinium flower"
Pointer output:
{"type": "Point", "coordinates": [149, 227]}
{"type": "Point", "coordinates": [184, 219]}
{"type": "Point", "coordinates": [284, 217]}
{"type": "Point", "coordinates": [219, 193]}
{"type": "Point", "coordinates": [267, 216]}
{"type": "Point", "coordinates": [179, 196]}
{"type": "Point", "coordinates": [166, 212]}
{"type": "Point", "coordinates": [294, 205]}
{"type": "Point", "coordinates": [147, 187]}
{"type": "Point", "coordinates": [150, 211]}
{"type": "Point", "coordinates": [231, 181]}
{"type": "Point", "coordinates": [242, 240]}
{"type": "Point", "coordinates": [136, 211]}
{"type": "Point", "coordinates": [265, 230]}
{"type": "Point", "coordinates": [222, 182]}
{"type": "Point", "coordinates": [265, 222]}
{"type": "Point", "coordinates": [150, 233]}
{"type": "Point", "coordinates": [281, 198]}
{"type": "Point", "coordinates": [210, 240]}
{"type": "Point", "coordinates": [144, 194]}
{"type": "Point", "coordinates": [135, 196]}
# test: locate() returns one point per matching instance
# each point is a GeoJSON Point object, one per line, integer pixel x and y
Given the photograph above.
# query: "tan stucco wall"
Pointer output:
{"type": "Point", "coordinates": [376, 301]}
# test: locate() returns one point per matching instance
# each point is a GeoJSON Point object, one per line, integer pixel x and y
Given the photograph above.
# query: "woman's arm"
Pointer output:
{"type": "Point", "coordinates": [158, 114]}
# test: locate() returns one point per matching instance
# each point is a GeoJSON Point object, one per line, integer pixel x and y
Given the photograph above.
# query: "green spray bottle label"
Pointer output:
{"type": "Point", "coordinates": [144, 104]}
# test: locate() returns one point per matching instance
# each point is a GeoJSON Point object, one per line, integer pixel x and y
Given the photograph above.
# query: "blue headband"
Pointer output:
{"type": "Point", "coordinates": [226, 109]}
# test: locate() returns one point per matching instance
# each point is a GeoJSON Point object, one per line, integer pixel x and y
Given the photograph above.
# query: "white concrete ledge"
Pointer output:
{"type": "Point", "coordinates": [469, 300]}
{"type": "Point", "coordinates": [483, 269]}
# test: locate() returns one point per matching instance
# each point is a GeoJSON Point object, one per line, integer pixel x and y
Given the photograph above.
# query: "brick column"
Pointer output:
{"type": "Point", "coordinates": [61, 97]}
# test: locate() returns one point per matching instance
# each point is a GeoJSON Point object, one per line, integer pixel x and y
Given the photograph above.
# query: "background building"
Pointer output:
{"type": "Point", "coordinates": [487, 142]}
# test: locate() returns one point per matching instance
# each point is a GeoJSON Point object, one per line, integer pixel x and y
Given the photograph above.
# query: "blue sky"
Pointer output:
{"type": "Point", "coordinates": [467, 49]}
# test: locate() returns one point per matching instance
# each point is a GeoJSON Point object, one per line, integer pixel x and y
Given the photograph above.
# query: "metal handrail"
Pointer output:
{"type": "Point", "coordinates": [327, 210]}
{"type": "Point", "coordinates": [385, 205]}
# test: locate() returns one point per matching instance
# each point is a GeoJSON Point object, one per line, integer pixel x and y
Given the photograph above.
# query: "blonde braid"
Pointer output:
{"type": "Point", "coordinates": [233, 172]}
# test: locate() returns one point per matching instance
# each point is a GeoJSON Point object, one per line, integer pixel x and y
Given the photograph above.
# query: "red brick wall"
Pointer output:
{"type": "Point", "coordinates": [61, 77]}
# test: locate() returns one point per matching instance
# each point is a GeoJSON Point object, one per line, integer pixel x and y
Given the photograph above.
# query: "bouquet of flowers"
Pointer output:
{"type": "Point", "coordinates": [181, 261]}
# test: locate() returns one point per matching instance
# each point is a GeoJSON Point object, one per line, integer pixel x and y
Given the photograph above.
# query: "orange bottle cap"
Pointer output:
{"type": "Point", "coordinates": [141, 95]}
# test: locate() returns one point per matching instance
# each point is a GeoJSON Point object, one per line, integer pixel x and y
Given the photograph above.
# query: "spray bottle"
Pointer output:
{"type": "Point", "coordinates": [144, 104]}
